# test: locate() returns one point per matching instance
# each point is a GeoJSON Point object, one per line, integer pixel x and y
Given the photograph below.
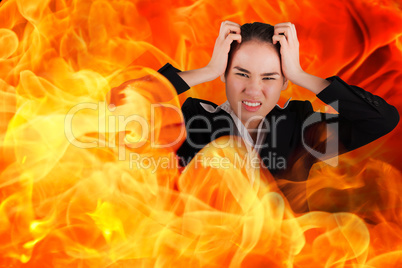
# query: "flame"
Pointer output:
{"type": "Point", "coordinates": [79, 186]}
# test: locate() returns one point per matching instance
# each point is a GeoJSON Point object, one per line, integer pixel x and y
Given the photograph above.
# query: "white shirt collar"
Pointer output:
{"type": "Point", "coordinates": [242, 130]}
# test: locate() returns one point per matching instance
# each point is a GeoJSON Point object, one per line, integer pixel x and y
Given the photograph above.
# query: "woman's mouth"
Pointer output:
{"type": "Point", "coordinates": [251, 106]}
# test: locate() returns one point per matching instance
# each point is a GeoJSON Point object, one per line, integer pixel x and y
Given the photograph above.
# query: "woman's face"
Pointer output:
{"type": "Point", "coordinates": [254, 81]}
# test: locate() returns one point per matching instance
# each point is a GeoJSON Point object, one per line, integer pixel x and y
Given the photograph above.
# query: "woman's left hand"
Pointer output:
{"type": "Point", "coordinates": [285, 34]}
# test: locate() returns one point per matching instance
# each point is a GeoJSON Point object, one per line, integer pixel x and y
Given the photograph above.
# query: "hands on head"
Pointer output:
{"type": "Point", "coordinates": [229, 32]}
{"type": "Point", "coordinates": [284, 33]}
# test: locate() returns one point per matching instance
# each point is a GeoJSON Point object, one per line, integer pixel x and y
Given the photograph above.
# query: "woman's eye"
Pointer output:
{"type": "Point", "coordinates": [268, 78]}
{"type": "Point", "coordinates": [242, 74]}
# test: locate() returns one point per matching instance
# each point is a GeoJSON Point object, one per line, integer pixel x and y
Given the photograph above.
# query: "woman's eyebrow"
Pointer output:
{"type": "Point", "coordinates": [248, 72]}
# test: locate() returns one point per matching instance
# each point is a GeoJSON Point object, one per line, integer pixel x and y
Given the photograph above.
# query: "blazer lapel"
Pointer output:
{"type": "Point", "coordinates": [280, 139]}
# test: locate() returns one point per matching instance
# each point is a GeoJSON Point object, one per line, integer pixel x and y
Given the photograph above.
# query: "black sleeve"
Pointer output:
{"type": "Point", "coordinates": [170, 73]}
{"type": "Point", "coordinates": [363, 118]}
{"type": "Point", "coordinates": [189, 109]}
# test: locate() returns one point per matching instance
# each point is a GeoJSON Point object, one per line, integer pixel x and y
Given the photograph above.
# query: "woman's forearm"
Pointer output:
{"type": "Point", "coordinates": [197, 76]}
{"type": "Point", "coordinates": [313, 83]}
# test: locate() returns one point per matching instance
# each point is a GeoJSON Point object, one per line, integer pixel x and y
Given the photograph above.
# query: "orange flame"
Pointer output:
{"type": "Point", "coordinates": [77, 191]}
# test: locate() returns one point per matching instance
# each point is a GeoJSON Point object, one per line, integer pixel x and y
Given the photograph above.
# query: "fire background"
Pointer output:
{"type": "Point", "coordinates": [65, 206]}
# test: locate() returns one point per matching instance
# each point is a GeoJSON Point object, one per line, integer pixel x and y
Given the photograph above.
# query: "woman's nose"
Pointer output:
{"type": "Point", "coordinates": [254, 88]}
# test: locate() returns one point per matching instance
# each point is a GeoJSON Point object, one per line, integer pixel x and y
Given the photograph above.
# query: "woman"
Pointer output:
{"type": "Point", "coordinates": [256, 61]}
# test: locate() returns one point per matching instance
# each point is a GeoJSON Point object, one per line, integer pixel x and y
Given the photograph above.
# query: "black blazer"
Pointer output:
{"type": "Point", "coordinates": [301, 134]}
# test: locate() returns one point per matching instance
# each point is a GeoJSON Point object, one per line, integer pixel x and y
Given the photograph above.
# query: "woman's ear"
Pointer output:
{"type": "Point", "coordinates": [223, 79]}
{"type": "Point", "coordinates": [285, 83]}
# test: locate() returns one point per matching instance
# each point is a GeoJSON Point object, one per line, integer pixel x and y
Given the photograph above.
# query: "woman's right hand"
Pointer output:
{"type": "Point", "coordinates": [228, 32]}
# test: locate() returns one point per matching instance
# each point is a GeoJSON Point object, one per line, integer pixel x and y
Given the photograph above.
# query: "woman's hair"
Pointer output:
{"type": "Point", "coordinates": [256, 31]}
